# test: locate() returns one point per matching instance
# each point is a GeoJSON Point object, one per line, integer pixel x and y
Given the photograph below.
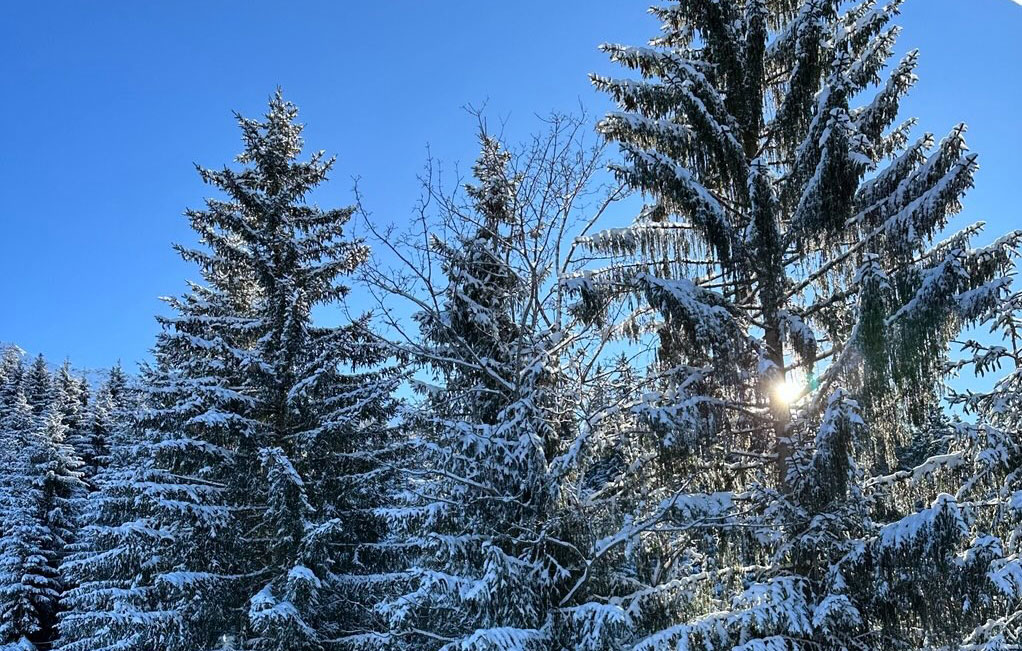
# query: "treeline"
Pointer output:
{"type": "Point", "coordinates": [732, 424]}
{"type": "Point", "coordinates": [59, 437]}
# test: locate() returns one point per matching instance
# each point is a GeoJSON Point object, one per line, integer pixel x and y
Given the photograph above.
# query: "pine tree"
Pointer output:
{"type": "Point", "coordinates": [257, 484]}
{"type": "Point", "coordinates": [56, 473]}
{"type": "Point", "coordinates": [787, 270]}
{"type": "Point", "coordinates": [28, 586]}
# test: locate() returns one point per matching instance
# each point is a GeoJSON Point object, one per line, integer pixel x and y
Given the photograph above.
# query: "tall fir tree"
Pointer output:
{"type": "Point", "coordinates": [482, 473]}
{"type": "Point", "coordinates": [56, 471]}
{"type": "Point", "coordinates": [38, 385]}
{"type": "Point", "coordinates": [488, 515]}
{"type": "Point", "coordinates": [28, 587]}
{"type": "Point", "coordinates": [258, 482]}
{"type": "Point", "coordinates": [102, 565]}
{"type": "Point", "coordinates": [40, 481]}
{"type": "Point", "coordinates": [72, 395]}
{"type": "Point", "coordinates": [787, 270]}
{"type": "Point", "coordinates": [107, 419]}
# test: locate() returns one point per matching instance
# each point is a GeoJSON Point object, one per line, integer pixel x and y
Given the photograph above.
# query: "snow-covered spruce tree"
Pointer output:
{"type": "Point", "coordinates": [102, 565]}
{"type": "Point", "coordinates": [40, 480]}
{"type": "Point", "coordinates": [786, 267]}
{"type": "Point", "coordinates": [38, 385]}
{"type": "Point", "coordinates": [28, 587]}
{"type": "Point", "coordinates": [979, 460]}
{"type": "Point", "coordinates": [108, 419]}
{"type": "Point", "coordinates": [74, 399]}
{"type": "Point", "coordinates": [56, 472]}
{"type": "Point", "coordinates": [259, 482]}
{"type": "Point", "coordinates": [486, 515]}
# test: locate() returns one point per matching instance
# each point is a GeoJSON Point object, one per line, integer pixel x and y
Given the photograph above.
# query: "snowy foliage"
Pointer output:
{"type": "Point", "coordinates": [251, 464]}
{"type": "Point", "coordinates": [790, 237]}
{"type": "Point", "coordinates": [489, 518]}
{"type": "Point", "coordinates": [39, 484]}
{"type": "Point", "coordinates": [740, 422]}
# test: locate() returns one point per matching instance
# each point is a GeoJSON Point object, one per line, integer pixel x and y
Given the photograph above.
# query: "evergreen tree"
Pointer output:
{"type": "Point", "coordinates": [105, 417]}
{"type": "Point", "coordinates": [103, 563]}
{"type": "Point", "coordinates": [56, 472]}
{"type": "Point", "coordinates": [39, 385]}
{"type": "Point", "coordinates": [787, 270]}
{"type": "Point", "coordinates": [72, 394]}
{"type": "Point", "coordinates": [38, 482]}
{"type": "Point", "coordinates": [979, 458]}
{"type": "Point", "coordinates": [478, 585]}
{"type": "Point", "coordinates": [487, 513]}
{"type": "Point", "coordinates": [27, 586]}
{"type": "Point", "coordinates": [257, 483]}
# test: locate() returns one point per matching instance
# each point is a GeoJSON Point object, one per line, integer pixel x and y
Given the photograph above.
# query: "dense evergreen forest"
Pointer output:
{"type": "Point", "coordinates": [745, 420]}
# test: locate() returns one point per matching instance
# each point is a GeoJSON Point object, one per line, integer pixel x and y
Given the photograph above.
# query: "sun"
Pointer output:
{"type": "Point", "coordinates": [787, 391]}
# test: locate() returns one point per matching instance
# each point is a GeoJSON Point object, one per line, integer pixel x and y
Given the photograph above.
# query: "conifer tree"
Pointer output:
{"type": "Point", "coordinates": [38, 385]}
{"type": "Point", "coordinates": [107, 417]}
{"type": "Point", "coordinates": [477, 585]}
{"type": "Point", "coordinates": [38, 482]}
{"type": "Point", "coordinates": [257, 482]}
{"type": "Point", "coordinates": [788, 271]}
{"type": "Point", "coordinates": [102, 565]}
{"type": "Point", "coordinates": [56, 472]}
{"type": "Point", "coordinates": [979, 458]}
{"type": "Point", "coordinates": [72, 395]}
{"type": "Point", "coordinates": [486, 513]}
{"type": "Point", "coordinates": [27, 585]}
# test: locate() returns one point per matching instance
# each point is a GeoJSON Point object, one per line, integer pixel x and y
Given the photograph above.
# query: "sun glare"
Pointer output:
{"type": "Point", "coordinates": [787, 391]}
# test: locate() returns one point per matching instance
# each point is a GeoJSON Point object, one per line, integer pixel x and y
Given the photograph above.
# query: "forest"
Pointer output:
{"type": "Point", "coordinates": [777, 408]}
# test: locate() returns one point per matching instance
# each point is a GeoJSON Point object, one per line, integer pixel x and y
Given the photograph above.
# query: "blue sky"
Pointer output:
{"type": "Point", "coordinates": [110, 103]}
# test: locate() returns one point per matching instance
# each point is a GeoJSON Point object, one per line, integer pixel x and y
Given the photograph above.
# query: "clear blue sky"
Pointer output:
{"type": "Point", "coordinates": [109, 103]}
